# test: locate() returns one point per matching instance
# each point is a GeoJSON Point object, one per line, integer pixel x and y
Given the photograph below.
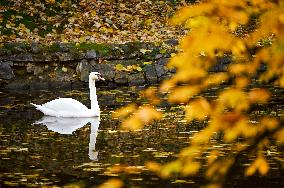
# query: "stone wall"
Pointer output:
{"type": "Point", "coordinates": [59, 65]}
{"type": "Point", "coordinates": [35, 66]}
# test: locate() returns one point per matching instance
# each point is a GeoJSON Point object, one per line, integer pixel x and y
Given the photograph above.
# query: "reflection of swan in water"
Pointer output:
{"type": "Point", "coordinates": [69, 125]}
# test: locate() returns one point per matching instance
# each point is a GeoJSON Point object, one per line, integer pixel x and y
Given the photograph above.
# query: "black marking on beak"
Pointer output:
{"type": "Point", "coordinates": [100, 77]}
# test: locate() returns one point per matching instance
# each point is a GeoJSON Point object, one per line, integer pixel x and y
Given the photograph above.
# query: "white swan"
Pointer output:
{"type": "Point", "coordinates": [68, 107]}
{"type": "Point", "coordinates": [65, 125]}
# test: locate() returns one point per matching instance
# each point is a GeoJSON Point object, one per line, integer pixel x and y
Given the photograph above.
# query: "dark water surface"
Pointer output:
{"type": "Point", "coordinates": [82, 150]}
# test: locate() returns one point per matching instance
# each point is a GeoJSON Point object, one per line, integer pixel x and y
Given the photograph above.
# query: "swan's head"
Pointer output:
{"type": "Point", "coordinates": [95, 76]}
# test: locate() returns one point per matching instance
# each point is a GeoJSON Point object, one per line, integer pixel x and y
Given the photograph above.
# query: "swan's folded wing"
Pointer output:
{"type": "Point", "coordinates": [65, 104]}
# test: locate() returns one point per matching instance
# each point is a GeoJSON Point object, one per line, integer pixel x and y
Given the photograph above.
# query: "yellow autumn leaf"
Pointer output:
{"type": "Point", "coordinates": [190, 168]}
{"type": "Point", "coordinates": [124, 111]}
{"type": "Point", "coordinates": [269, 123]}
{"type": "Point", "coordinates": [171, 168]}
{"type": "Point", "coordinates": [191, 11]}
{"type": "Point", "coordinates": [263, 166]}
{"type": "Point", "coordinates": [173, 54]}
{"type": "Point", "coordinates": [237, 128]}
{"type": "Point", "coordinates": [212, 157]}
{"type": "Point", "coordinates": [238, 68]}
{"type": "Point", "coordinates": [148, 22]}
{"type": "Point", "coordinates": [234, 98]}
{"type": "Point", "coordinates": [119, 67]}
{"type": "Point", "coordinates": [279, 135]}
{"type": "Point", "coordinates": [51, 1]}
{"type": "Point", "coordinates": [213, 169]}
{"type": "Point", "coordinates": [82, 39]}
{"type": "Point", "coordinates": [93, 12]}
{"type": "Point", "coordinates": [259, 164]}
{"type": "Point", "coordinates": [241, 82]}
{"type": "Point", "coordinates": [8, 26]}
{"type": "Point", "coordinates": [251, 169]}
{"type": "Point", "coordinates": [258, 95]}
{"type": "Point", "coordinates": [139, 69]}
{"type": "Point", "coordinates": [153, 166]}
{"type": "Point", "coordinates": [189, 73]}
{"type": "Point", "coordinates": [238, 48]}
{"type": "Point", "coordinates": [148, 113]}
{"type": "Point", "coordinates": [167, 85]}
{"type": "Point", "coordinates": [163, 51]}
{"type": "Point", "coordinates": [143, 51]}
{"type": "Point", "coordinates": [183, 93]}
{"type": "Point", "coordinates": [112, 183]}
{"type": "Point", "coordinates": [150, 94]}
{"type": "Point", "coordinates": [132, 123]}
{"type": "Point", "coordinates": [197, 109]}
{"type": "Point", "coordinates": [202, 137]}
{"type": "Point", "coordinates": [215, 79]}
{"type": "Point", "coordinates": [190, 152]}
{"type": "Point", "coordinates": [64, 69]}
{"type": "Point", "coordinates": [197, 22]}
{"type": "Point", "coordinates": [147, 62]}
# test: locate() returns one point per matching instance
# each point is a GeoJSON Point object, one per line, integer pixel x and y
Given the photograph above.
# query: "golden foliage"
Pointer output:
{"type": "Point", "coordinates": [190, 168]}
{"type": "Point", "coordinates": [139, 117]}
{"type": "Point", "coordinates": [233, 98]}
{"type": "Point", "coordinates": [112, 183]}
{"type": "Point", "coordinates": [183, 93]}
{"type": "Point", "coordinates": [216, 31]}
{"type": "Point", "coordinates": [198, 109]}
{"type": "Point", "coordinates": [259, 164]}
{"type": "Point", "coordinates": [125, 111]}
{"type": "Point", "coordinates": [258, 95]}
{"type": "Point", "coordinates": [86, 21]}
{"type": "Point", "coordinates": [150, 94]}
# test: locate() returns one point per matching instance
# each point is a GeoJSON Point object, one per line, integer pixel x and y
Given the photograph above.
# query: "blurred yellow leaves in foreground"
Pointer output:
{"type": "Point", "coordinates": [259, 164]}
{"type": "Point", "coordinates": [135, 118]}
{"type": "Point", "coordinates": [112, 183]}
{"type": "Point", "coordinates": [221, 29]}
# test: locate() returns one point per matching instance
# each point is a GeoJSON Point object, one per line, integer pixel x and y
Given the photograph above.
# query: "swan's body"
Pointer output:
{"type": "Point", "coordinates": [68, 107]}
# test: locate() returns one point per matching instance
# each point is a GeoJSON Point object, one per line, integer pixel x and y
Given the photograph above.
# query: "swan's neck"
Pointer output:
{"type": "Point", "coordinates": [93, 95]}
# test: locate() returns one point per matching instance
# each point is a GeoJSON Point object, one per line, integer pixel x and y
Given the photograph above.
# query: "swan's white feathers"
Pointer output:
{"type": "Point", "coordinates": [65, 104]}
{"type": "Point", "coordinates": [68, 107]}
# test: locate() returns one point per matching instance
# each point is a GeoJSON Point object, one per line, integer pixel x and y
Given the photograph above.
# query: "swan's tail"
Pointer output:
{"type": "Point", "coordinates": [35, 105]}
{"type": "Point", "coordinates": [44, 110]}
{"type": "Point", "coordinates": [38, 107]}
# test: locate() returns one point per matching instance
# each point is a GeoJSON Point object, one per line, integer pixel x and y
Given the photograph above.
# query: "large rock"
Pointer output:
{"type": "Point", "coordinates": [38, 84]}
{"type": "Point", "coordinates": [107, 70]}
{"type": "Point", "coordinates": [83, 69]}
{"type": "Point", "coordinates": [36, 47]}
{"type": "Point", "coordinates": [161, 68]}
{"type": "Point", "coordinates": [150, 74]}
{"type": "Point", "coordinates": [35, 69]}
{"type": "Point", "coordinates": [136, 79]}
{"type": "Point", "coordinates": [63, 56]}
{"type": "Point", "coordinates": [121, 78]}
{"type": "Point", "coordinates": [91, 54]}
{"type": "Point", "coordinates": [25, 57]}
{"type": "Point", "coordinates": [18, 84]}
{"type": "Point", "coordinates": [6, 72]}
{"type": "Point", "coordinates": [64, 47]}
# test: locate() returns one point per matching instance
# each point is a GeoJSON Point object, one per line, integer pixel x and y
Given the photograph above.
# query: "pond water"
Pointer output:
{"type": "Point", "coordinates": [39, 151]}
